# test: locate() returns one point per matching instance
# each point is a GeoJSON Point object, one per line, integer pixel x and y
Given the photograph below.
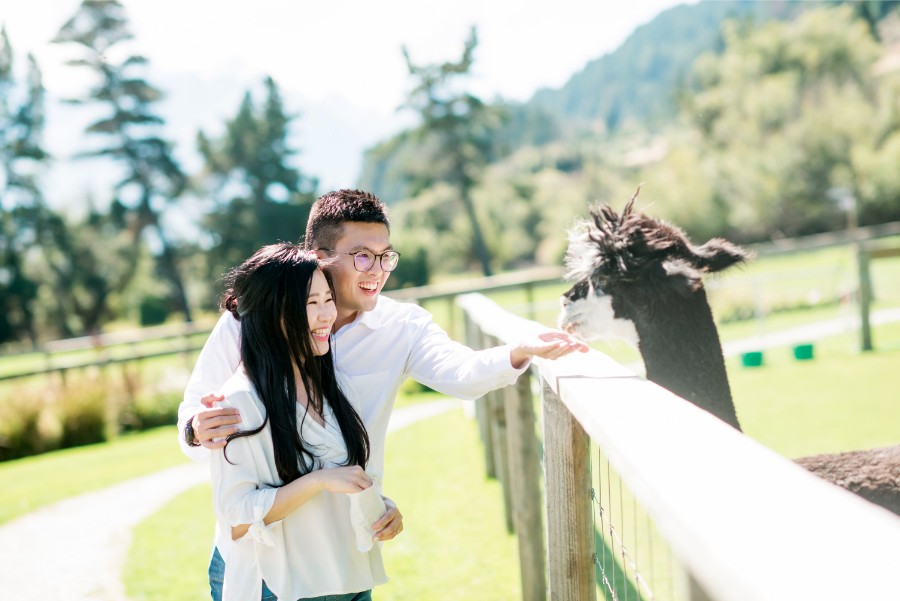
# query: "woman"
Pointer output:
{"type": "Point", "coordinates": [280, 484]}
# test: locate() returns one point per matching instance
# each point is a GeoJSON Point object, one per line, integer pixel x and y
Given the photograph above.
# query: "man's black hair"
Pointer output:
{"type": "Point", "coordinates": [332, 210]}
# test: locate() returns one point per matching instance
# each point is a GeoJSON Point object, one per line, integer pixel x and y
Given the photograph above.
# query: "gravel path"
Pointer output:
{"type": "Point", "coordinates": [807, 333]}
{"type": "Point", "coordinates": [74, 550]}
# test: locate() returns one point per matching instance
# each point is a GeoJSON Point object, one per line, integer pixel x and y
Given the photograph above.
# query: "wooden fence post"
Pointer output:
{"type": "Point", "coordinates": [474, 340]}
{"type": "Point", "coordinates": [865, 297]}
{"type": "Point", "coordinates": [497, 412]}
{"type": "Point", "coordinates": [695, 591]}
{"type": "Point", "coordinates": [524, 482]}
{"type": "Point", "coordinates": [570, 530]}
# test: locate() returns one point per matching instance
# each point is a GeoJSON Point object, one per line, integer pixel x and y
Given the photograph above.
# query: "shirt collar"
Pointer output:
{"type": "Point", "coordinates": [370, 319]}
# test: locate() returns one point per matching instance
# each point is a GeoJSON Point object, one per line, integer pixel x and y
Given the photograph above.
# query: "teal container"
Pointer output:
{"type": "Point", "coordinates": [803, 352]}
{"type": "Point", "coordinates": [752, 359]}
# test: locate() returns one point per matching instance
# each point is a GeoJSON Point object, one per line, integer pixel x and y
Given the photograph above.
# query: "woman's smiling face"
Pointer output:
{"type": "Point", "coordinates": [320, 312]}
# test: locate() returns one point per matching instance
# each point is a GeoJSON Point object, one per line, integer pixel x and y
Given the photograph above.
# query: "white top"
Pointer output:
{"type": "Point", "coordinates": [313, 550]}
{"type": "Point", "coordinates": [378, 351]}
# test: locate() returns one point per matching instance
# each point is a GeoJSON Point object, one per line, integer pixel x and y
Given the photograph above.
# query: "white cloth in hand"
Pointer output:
{"type": "Point", "coordinates": [365, 508]}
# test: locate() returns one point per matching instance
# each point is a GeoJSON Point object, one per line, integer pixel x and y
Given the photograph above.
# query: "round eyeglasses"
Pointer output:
{"type": "Point", "coordinates": [364, 260]}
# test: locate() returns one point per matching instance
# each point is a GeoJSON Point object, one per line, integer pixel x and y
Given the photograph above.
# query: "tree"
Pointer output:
{"type": "Point", "coordinates": [455, 136]}
{"type": "Point", "coordinates": [152, 178]}
{"type": "Point", "coordinates": [259, 196]}
{"type": "Point", "coordinates": [21, 124]}
{"type": "Point", "coordinates": [785, 114]}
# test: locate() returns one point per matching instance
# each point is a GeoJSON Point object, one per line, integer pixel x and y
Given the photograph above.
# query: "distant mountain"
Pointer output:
{"type": "Point", "coordinates": [637, 81]}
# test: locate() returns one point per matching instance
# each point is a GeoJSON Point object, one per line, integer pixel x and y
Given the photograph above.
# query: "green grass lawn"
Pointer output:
{"type": "Point", "coordinates": [170, 550]}
{"type": "Point", "coordinates": [32, 482]}
{"type": "Point", "coordinates": [454, 545]}
{"type": "Point", "coordinates": [842, 399]}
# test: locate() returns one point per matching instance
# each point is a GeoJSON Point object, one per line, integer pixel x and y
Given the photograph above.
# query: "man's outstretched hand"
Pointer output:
{"type": "Point", "coordinates": [551, 344]}
{"type": "Point", "coordinates": [213, 424]}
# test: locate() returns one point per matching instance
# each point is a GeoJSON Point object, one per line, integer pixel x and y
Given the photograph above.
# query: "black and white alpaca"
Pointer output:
{"type": "Point", "coordinates": [641, 279]}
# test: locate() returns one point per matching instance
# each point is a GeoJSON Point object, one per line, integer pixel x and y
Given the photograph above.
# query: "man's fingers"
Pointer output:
{"type": "Point", "coordinates": [391, 512]}
{"type": "Point", "coordinates": [551, 336]}
{"type": "Point", "coordinates": [210, 399]}
{"type": "Point", "coordinates": [556, 350]}
{"type": "Point", "coordinates": [383, 521]}
{"type": "Point", "coordinates": [206, 422]}
{"type": "Point", "coordinates": [564, 338]}
{"type": "Point", "coordinates": [214, 444]}
{"type": "Point", "coordinates": [390, 531]}
{"type": "Point", "coordinates": [209, 433]}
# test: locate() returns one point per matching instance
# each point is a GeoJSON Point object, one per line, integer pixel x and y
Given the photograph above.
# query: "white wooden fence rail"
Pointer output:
{"type": "Point", "coordinates": [744, 522]}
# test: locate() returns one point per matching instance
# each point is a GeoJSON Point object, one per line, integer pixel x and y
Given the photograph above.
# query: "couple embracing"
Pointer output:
{"type": "Point", "coordinates": [305, 363]}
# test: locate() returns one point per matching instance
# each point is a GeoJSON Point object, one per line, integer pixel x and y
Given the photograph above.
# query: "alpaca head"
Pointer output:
{"type": "Point", "coordinates": [624, 266]}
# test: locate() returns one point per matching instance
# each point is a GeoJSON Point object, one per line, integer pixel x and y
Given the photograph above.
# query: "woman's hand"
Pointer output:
{"type": "Point", "coordinates": [390, 524]}
{"type": "Point", "coordinates": [288, 498]}
{"type": "Point", "coordinates": [551, 344]}
{"type": "Point", "coordinates": [349, 479]}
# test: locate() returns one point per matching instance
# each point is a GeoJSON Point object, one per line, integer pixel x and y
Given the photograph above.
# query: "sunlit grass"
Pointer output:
{"type": "Point", "coordinates": [842, 399]}
{"type": "Point", "coordinates": [170, 550]}
{"type": "Point", "coordinates": [32, 482]}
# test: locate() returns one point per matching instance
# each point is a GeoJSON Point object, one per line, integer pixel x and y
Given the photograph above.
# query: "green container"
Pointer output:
{"type": "Point", "coordinates": [803, 352]}
{"type": "Point", "coordinates": [752, 359]}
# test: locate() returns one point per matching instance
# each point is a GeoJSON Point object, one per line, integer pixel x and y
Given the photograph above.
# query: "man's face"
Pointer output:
{"type": "Point", "coordinates": [357, 290]}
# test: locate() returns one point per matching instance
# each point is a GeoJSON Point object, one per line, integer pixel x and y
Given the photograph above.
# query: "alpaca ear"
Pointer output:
{"type": "Point", "coordinates": [719, 254]}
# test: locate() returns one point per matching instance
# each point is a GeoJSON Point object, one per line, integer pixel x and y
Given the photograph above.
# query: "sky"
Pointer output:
{"type": "Point", "coordinates": [338, 63]}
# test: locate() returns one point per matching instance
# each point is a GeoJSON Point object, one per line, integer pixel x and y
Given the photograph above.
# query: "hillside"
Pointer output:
{"type": "Point", "coordinates": [636, 82]}
{"type": "Point", "coordinates": [636, 87]}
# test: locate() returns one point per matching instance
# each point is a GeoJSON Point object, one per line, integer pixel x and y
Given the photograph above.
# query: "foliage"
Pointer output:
{"type": "Point", "coordinates": [90, 262]}
{"type": "Point", "coordinates": [783, 110]}
{"type": "Point", "coordinates": [130, 128]}
{"type": "Point", "coordinates": [153, 310]}
{"type": "Point", "coordinates": [259, 196]}
{"type": "Point", "coordinates": [454, 139]}
{"type": "Point", "coordinates": [413, 270]}
{"type": "Point", "coordinates": [21, 124]}
{"type": "Point", "coordinates": [763, 112]}
{"type": "Point", "coordinates": [85, 408]}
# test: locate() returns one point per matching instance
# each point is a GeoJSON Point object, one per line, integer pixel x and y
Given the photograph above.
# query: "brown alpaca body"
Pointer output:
{"type": "Point", "coordinates": [873, 474]}
{"type": "Point", "coordinates": [633, 268]}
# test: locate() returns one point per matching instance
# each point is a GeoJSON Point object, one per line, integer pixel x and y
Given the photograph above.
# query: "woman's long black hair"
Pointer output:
{"type": "Point", "coordinates": [268, 294]}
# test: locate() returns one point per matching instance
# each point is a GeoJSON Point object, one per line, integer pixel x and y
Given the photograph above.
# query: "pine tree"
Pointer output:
{"type": "Point", "coordinates": [455, 135]}
{"type": "Point", "coordinates": [131, 130]}
{"type": "Point", "coordinates": [20, 197]}
{"type": "Point", "coordinates": [260, 197]}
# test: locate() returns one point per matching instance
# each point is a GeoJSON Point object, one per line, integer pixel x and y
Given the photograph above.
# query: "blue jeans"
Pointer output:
{"type": "Point", "coordinates": [217, 578]}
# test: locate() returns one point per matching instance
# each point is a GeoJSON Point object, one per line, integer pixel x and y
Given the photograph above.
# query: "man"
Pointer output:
{"type": "Point", "coordinates": [377, 342]}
